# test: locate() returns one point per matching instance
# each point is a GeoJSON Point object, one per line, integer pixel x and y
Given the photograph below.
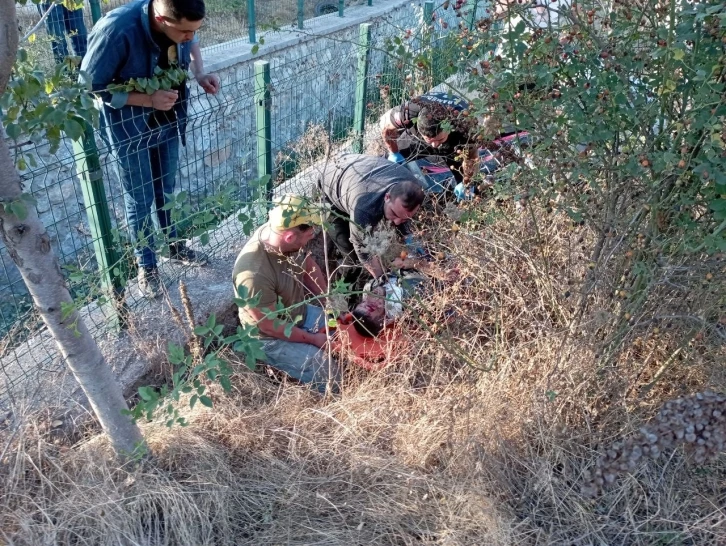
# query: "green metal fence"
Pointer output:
{"type": "Point", "coordinates": [274, 116]}
{"type": "Point", "coordinates": [226, 20]}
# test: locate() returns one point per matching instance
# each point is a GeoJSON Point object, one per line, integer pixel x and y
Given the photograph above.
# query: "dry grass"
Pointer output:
{"type": "Point", "coordinates": [481, 435]}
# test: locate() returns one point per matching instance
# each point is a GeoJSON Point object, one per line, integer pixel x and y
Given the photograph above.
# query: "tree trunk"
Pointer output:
{"type": "Point", "coordinates": [28, 245]}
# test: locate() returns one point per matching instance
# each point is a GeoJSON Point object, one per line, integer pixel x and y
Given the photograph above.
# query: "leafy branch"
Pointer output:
{"type": "Point", "coordinates": [163, 79]}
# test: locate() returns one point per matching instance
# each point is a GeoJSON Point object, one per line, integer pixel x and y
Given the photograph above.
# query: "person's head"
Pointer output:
{"type": "Point", "coordinates": [178, 19]}
{"type": "Point", "coordinates": [403, 201]}
{"type": "Point", "coordinates": [429, 125]}
{"type": "Point", "coordinates": [292, 221]}
{"type": "Point", "coordinates": [369, 315]}
{"type": "Point", "coordinates": [365, 325]}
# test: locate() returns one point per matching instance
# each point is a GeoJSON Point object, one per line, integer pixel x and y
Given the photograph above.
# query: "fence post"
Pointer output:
{"type": "Point", "coordinates": [341, 8]}
{"type": "Point", "coordinates": [88, 167]}
{"type": "Point", "coordinates": [263, 102]}
{"type": "Point", "coordinates": [252, 23]}
{"type": "Point", "coordinates": [370, 2]}
{"type": "Point", "coordinates": [300, 13]}
{"type": "Point", "coordinates": [361, 86]}
{"type": "Point", "coordinates": [428, 15]}
{"type": "Point", "coordinates": [472, 16]}
{"type": "Point", "coordinates": [426, 43]}
{"type": "Point", "coordinates": [95, 10]}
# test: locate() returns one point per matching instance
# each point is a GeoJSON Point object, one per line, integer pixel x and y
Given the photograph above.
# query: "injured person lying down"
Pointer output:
{"type": "Point", "coordinates": [383, 300]}
{"type": "Point", "coordinates": [369, 333]}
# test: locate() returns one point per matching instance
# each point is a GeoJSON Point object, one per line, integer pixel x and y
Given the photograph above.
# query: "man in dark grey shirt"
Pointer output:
{"type": "Point", "coordinates": [364, 191]}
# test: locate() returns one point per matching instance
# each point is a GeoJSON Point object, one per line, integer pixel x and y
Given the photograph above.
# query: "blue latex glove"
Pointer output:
{"type": "Point", "coordinates": [460, 192]}
{"type": "Point", "coordinates": [396, 157]}
{"type": "Point", "coordinates": [415, 248]}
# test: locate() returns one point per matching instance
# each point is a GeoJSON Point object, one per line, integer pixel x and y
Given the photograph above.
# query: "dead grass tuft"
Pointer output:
{"type": "Point", "coordinates": [481, 433]}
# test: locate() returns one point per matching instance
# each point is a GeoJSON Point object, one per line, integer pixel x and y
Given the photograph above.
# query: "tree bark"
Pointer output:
{"type": "Point", "coordinates": [29, 247]}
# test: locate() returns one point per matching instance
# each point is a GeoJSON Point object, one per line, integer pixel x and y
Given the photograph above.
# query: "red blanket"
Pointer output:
{"type": "Point", "coordinates": [371, 353]}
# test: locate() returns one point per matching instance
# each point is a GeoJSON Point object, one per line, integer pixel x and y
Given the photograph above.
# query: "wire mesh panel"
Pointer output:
{"type": "Point", "coordinates": [212, 181]}
{"type": "Point", "coordinates": [312, 101]}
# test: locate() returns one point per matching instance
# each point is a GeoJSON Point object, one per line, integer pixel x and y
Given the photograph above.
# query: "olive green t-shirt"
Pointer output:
{"type": "Point", "coordinates": [272, 275]}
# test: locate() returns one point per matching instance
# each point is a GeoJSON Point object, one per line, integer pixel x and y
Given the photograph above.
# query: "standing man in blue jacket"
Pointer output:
{"type": "Point", "coordinates": [132, 41]}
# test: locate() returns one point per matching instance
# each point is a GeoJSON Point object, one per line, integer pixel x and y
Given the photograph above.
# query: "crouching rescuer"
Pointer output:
{"type": "Point", "coordinates": [276, 271]}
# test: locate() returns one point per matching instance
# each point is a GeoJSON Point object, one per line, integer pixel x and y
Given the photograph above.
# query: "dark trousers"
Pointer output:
{"type": "Point", "coordinates": [147, 169]}
{"type": "Point", "coordinates": [62, 21]}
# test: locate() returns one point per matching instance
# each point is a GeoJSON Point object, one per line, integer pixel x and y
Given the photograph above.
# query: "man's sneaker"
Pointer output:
{"type": "Point", "coordinates": [150, 282]}
{"type": "Point", "coordinates": [182, 253]}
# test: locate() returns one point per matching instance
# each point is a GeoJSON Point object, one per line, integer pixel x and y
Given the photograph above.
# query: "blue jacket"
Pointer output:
{"type": "Point", "coordinates": [121, 47]}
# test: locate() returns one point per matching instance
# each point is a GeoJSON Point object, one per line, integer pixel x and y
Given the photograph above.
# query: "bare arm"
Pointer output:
{"type": "Point", "coordinates": [160, 100]}
{"type": "Point", "coordinates": [374, 266]}
{"type": "Point", "coordinates": [389, 132]}
{"type": "Point", "coordinates": [313, 277]}
{"type": "Point", "coordinates": [139, 99]}
{"type": "Point", "coordinates": [209, 82]}
{"type": "Point", "coordinates": [297, 335]}
{"type": "Point", "coordinates": [197, 64]}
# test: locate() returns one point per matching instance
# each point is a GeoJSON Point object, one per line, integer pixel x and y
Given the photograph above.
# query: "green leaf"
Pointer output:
{"type": "Point", "coordinates": [147, 393]}
{"type": "Point", "coordinates": [206, 401]}
{"type": "Point", "coordinates": [193, 401]}
{"type": "Point", "coordinates": [176, 354]}
{"type": "Point", "coordinates": [201, 330]}
{"type": "Point", "coordinates": [13, 131]}
{"type": "Point", "coordinates": [288, 329]}
{"type": "Point", "coordinates": [67, 309]}
{"type": "Point", "coordinates": [29, 199]}
{"type": "Point", "coordinates": [225, 382]}
{"type": "Point", "coordinates": [255, 49]}
{"type": "Point", "coordinates": [251, 362]}
{"type": "Point", "coordinates": [18, 208]}
{"type": "Point", "coordinates": [73, 129]}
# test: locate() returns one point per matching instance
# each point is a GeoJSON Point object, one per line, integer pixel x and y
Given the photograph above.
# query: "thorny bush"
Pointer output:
{"type": "Point", "coordinates": [626, 107]}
